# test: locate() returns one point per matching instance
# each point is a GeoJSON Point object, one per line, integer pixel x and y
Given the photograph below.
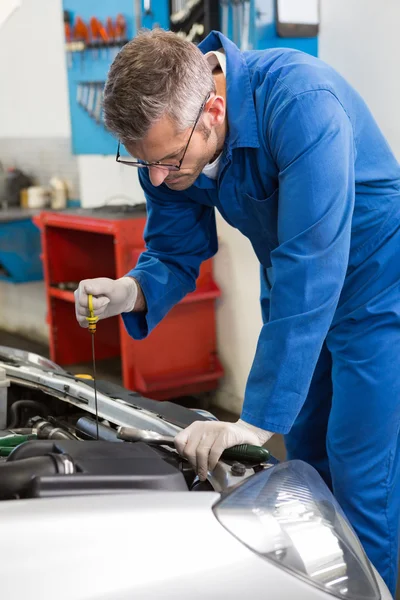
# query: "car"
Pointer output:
{"type": "Point", "coordinates": [86, 515]}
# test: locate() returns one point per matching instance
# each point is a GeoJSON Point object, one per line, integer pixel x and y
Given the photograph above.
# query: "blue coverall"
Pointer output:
{"type": "Point", "coordinates": [308, 177]}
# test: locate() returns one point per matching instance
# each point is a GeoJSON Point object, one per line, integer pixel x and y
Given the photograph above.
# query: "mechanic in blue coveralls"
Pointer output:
{"type": "Point", "coordinates": [291, 156]}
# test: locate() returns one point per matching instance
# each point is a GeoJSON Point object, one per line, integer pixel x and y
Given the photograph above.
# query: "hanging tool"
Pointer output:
{"type": "Point", "coordinates": [91, 98]}
{"type": "Point", "coordinates": [147, 7]}
{"type": "Point", "coordinates": [68, 31]}
{"type": "Point", "coordinates": [94, 37]}
{"type": "Point", "coordinates": [103, 36]}
{"type": "Point", "coordinates": [243, 452]}
{"type": "Point", "coordinates": [92, 320]}
{"type": "Point", "coordinates": [111, 36]}
{"type": "Point", "coordinates": [99, 102]}
{"type": "Point", "coordinates": [138, 15]}
{"type": "Point", "coordinates": [79, 93]}
{"type": "Point", "coordinates": [120, 32]}
{"type": "Point", "coordinates": [81, 34]}
{"type": "Point", "coordinates": [82, 94]}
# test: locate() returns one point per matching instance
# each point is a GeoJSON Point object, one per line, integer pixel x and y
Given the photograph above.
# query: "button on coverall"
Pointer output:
{"type": "Point", "coordinates": [307, 176]}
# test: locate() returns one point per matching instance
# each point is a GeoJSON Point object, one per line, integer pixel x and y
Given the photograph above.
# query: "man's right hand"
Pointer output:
{"type": "Point", "coordinates": [110, 297]}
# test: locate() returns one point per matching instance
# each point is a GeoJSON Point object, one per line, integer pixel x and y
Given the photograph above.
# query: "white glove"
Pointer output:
{"type": "Point", "coordinates": [110, 297]}
{"type": "Point", "coordinates": [203, 442]}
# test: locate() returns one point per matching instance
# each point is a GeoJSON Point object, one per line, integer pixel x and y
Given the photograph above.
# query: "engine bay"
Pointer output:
{"type": "Point", "coordinates": [50, 449]}
{"type": "Point", "coordinates": [51, 443]}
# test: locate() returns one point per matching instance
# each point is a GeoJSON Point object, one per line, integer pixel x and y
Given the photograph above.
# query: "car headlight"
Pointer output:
{"type": "Point", "coordinates": [287, 515]}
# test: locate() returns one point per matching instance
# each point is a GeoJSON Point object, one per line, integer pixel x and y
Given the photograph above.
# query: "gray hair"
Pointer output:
{"type": "Point", "coordinates": [157, 73]}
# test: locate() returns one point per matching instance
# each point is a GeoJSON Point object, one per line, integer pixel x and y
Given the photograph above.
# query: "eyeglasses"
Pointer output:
{"type": "Point", "coordinates": [142, 163]}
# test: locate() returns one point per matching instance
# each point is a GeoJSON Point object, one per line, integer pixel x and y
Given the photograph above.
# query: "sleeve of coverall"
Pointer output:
{"type": "Point", "coordinates": [311, 139]}
{"type": "Point", "coordinates": [179, 235]}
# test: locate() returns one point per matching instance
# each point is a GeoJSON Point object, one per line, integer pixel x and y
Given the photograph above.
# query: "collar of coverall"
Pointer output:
{"type": "Point", "coordinates": [242, 114]}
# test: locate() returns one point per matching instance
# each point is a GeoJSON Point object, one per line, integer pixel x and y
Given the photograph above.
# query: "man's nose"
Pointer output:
{"type": "Point", "coordinates": [157, 175]}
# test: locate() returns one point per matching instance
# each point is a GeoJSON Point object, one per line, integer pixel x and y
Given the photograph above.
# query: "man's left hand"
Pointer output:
{"type": "Point", "coordinates": [203, 442]}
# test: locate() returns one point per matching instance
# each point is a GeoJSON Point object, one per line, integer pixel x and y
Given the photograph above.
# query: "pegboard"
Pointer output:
{"type": "Point", "coordinates": [87, 70]}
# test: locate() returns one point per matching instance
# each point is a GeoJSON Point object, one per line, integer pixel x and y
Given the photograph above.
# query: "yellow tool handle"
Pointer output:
{"type": "Point", "coordinates": [91, 319]}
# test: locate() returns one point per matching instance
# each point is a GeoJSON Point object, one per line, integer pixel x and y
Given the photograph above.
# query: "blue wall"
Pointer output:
{"type": "Point", "coordinates": [89, 137]}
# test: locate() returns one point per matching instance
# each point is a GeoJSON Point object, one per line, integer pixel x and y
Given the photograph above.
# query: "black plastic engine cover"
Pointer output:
{"type": "Point", "coordinates": [101, 468]}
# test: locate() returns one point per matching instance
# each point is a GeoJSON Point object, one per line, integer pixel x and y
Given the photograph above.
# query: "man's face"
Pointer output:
{"type": "Point", "coordinates": [163, 144]}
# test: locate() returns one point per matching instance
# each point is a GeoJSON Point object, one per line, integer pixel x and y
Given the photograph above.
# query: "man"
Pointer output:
{"type": "Point", "coordinates": [290, 155]}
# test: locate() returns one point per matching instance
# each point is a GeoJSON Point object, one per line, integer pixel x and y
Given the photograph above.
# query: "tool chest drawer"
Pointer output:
{"type": "Point", "coordinates": [178, 358]}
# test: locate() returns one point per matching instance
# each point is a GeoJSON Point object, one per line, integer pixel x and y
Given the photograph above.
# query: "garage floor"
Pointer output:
{"type": "Point", "coordinates": [111, 372]}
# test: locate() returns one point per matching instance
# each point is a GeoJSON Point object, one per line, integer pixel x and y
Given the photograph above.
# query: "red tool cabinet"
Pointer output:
{"type": "Point", "coordinates": [178, 358]}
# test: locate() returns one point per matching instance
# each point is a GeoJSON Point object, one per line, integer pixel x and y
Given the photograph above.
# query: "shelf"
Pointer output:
{"type": "Point", "coordinates": [93, 223]}
{"type": "Point", "coordinates": [177, 358]}
{"type": "Point", "coordinates": [209, 293]}
{"type": "Point", "coordinates": [62, 294]}
{"type": "Point", "coordinates": [168, 385]}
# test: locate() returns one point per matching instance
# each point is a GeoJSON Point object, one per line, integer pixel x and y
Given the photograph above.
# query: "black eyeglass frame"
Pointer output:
{"type": "Point", "coordinates": [141, 164]}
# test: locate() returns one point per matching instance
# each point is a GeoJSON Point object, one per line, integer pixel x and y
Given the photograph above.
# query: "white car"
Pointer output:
{"type": "Point", "coordinates": [83, 518]}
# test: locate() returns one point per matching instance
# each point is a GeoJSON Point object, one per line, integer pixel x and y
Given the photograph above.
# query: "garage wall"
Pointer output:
{"type": "Point", "coordinates": [34, 101]}
{"type": "Point", "coordinates": [360, 38]}
{"type": "Point", "coordinates": [103, 181]}
{"type": "Point", "coordinates": [34, 129]}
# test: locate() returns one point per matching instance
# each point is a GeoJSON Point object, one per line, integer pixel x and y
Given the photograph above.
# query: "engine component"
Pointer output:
{"type": "Point", "coordinates": [13, 440]}
{"type": "Point", "coordinates": [16, 407]}
{"type": "Point", "coordinates": [238, 469]}
{"type": "Point", "coordinates": [242, 452]}
{"type": "Point", "coordinates": [16, 477]}
{"type": "Point", "coordinates": [46, 431]}
{"type": "Point", "coordinates": [88, 427]}
{"type": "Point", "coordinates": [10, 439]}
{"type": "Point", "coordinates": [98, 468]}
{"type": "Point", "coordinates": [4, 385]}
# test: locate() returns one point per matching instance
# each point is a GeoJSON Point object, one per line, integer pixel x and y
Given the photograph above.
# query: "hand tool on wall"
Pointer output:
{"type": "Point", "coordinates": [98, 36]}
{"type": "Point", "coordinates": [147, 7]}
{"type": "Point", "coordinates": [98, 103]}
{"type": "Point", "coordinates": [243, 452]}
{"type": "Point", "coordinates": [79, 93]}
{"type": "Point", "coordinates": [92, 321]}
{"type": "Point", "coordinates": [81, 34]}
{"type": "Point", "coordinates": [103, 37]}
{"type": "Point", "coordinates": [138, 14]}
{"type": "Point", "coordinates": [91, 98]}
{"type": "Point", "coordinates": [111, 36]}
{"type": "Point", "coordinates": [68, 31]}
{"type": "Point", "coordinates": [94, 37]}
{"type": "Point", "coordinates": [120, 32]}
{"type": "Point", "coordinates": [85, 95]}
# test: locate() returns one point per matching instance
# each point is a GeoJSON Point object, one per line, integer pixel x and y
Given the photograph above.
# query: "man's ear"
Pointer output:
{"type": "Point", "coordinates": [215, 111]}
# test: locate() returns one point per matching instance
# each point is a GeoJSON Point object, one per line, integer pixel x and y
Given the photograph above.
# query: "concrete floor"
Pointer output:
{"type": "Point", "coordinates": [111, 371]}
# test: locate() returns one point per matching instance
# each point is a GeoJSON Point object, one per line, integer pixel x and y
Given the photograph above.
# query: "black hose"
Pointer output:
{"type": "Point", "coordinates": [16, 477]}
{"type": "Point", "coordinates": [15, 408]}
{"type": "Point", "coordinates": [47, 431]}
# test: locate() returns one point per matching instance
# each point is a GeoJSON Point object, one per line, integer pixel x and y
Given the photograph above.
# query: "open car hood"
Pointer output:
{"type": "Point", "coordinates": [115, 403]}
